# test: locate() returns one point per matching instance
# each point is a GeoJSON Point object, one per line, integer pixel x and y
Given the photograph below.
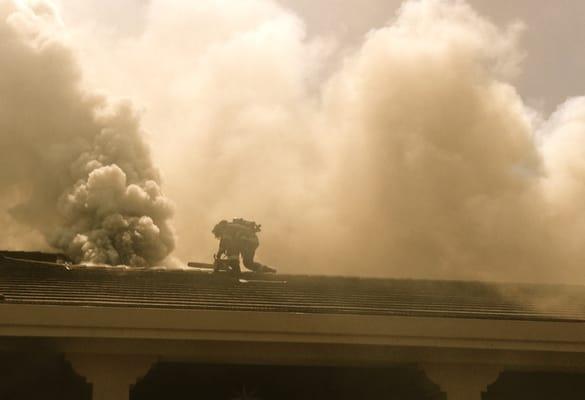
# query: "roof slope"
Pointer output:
{"type": "Point", "coordinates": [44, 283]}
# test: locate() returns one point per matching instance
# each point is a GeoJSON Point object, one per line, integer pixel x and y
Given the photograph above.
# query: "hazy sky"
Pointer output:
{"type": "Point", "coordinates": [553, 40]}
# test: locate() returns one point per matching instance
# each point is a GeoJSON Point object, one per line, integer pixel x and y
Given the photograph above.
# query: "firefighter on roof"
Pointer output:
{"type": "Point", "coordinates": [235, 238]}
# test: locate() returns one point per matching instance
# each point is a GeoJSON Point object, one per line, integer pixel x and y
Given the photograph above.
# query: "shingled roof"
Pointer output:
{"type": "Point", "coordinates": [34, 278]}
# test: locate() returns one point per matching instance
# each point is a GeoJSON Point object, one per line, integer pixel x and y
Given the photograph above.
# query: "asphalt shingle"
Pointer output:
{"type": "Point", "coordinates": [41, 281]}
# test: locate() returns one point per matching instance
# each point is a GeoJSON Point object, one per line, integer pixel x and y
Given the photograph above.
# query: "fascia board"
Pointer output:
{"type": "Point", "coordinates": [199, 325]}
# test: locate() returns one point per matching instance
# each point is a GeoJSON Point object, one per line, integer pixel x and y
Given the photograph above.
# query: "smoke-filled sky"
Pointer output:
{"type": "Point", "coordinates": [423, 138]}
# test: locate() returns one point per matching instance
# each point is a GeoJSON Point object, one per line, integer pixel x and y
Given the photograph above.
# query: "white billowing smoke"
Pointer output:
{"type": "Point", "coordinates": [74, 165]}
{"type": "Point", "coordinates": [413, 156]}
{"type": "Point", "coordinates": [440, 166]}
{"type": "Point", "coordinates": [444, 171]}
{"type": "Point", "coordinates": [563, 186]}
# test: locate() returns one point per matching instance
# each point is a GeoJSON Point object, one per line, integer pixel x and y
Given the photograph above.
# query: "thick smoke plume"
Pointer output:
{"type": "Point", "coordinates": [74, 165]}
{"type": "Point", "coordinates": [410, 155]}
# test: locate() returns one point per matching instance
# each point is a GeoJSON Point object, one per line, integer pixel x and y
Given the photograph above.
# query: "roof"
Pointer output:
{"type": "Point", "coordinates": [28, 281]}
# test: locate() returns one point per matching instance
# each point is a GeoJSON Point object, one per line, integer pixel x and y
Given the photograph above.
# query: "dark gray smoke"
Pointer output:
{"type": "Point", "coordinates": [74, 164]}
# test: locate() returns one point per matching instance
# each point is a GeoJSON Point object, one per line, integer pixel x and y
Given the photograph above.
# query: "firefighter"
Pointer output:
{"type": "Point", "coordinates": [236, 238]}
